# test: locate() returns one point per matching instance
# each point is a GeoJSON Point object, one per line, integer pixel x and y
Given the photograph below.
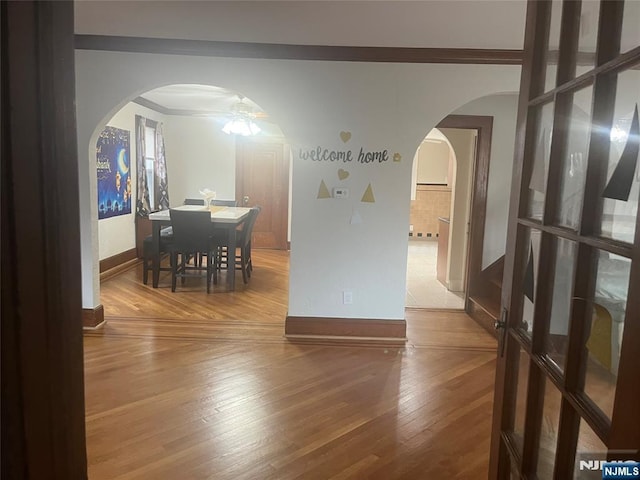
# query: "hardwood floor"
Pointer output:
{"type": "Point", "coordinates": [195, 386]}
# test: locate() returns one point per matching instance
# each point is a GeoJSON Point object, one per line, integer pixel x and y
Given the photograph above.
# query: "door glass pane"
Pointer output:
{"type": "Point", "coordinates": [554, 46]}
{"type": "Point", "coordinates": [588, 36]}
{"type": "Point", "coordinates": [589, 451]}
{"type": "Point", "coordinates": [558, 335]}
{"type": "Point", "coordinates": [575, 161]}
{"type": "Point", "coordinates": [513, 470]}
{"type": "Point", "coordinates": [623, 177]}
{"type": "Point", "coordinates": [630, 26]}
{"type": "Point", "coordinates": [540, 161]}
{"type": "Point", "coordinates": [521, 399]}
{"type": "Point", "coordinates": [530, 280]}
{"type": "Point", "coordinates": [607, 324]}
{"type": "Point", "coordinates": [549, 431]}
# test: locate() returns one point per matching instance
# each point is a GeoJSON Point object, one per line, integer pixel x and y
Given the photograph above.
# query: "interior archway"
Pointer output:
{"type": "Point", "coordinates": [432, 205]}
{"type": "Point", "coordinates": [199, 153]}
{"type": "Point", "coordinates": [498, 146]}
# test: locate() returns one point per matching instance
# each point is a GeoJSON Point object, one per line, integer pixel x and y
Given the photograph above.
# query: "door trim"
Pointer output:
{"type": "Point", "coordinates": [43, 429]}
{"type": "Point", "coordinates": [478, 211]}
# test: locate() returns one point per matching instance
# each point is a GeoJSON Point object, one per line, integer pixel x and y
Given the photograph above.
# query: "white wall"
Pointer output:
{"type": "Point", "coordinates": [199, 155]}
{"type": "Point", "coordinates": [117, 234]}
{"type": "Point", "coordinates": [433, 163]}
{"type": "Point", "coordinates": [436, 135]}
{"type": "Point", "coordinates": [463, 143]}
{"type": "Point", "coordinates": [383, 105]}
{"type": "Point", "coordinates": [503, 109]}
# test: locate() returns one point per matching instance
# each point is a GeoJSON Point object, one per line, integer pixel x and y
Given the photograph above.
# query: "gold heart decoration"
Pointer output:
{"type": "Point", "coordinates": [345, 136]}
{"type": "Point", "coordinates": [342, 174]}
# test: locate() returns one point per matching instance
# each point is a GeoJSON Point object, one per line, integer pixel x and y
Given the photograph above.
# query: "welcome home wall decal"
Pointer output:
{"type": "Point", "coordinates": [322, 154]}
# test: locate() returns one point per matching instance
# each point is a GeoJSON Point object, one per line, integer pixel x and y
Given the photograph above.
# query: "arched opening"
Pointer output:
{"type": "Point", "coordinates": [432, 210]}
{"type": "Point", "coordinates": [181, 142]}
{"type": "Point", "coordinates": [481, 133]}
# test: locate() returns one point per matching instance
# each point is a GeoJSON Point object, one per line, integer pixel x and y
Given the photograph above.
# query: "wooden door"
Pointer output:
{"type": "Point", "coordinates": [567, 386]}
{"type": "Point", "coordinates": [262, 178]}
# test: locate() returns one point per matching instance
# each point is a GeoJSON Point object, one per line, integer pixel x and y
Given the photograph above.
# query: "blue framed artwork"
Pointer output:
{"type": "Point", "coordinates": [114, 177]}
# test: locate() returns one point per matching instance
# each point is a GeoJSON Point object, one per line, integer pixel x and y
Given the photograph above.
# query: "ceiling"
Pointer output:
{"type": "Point", "coordinates": [431, 23]}
{"type": "Point", "coordinates": [215, 103]}
{"type": "Point", "coordinates": [198, 99]}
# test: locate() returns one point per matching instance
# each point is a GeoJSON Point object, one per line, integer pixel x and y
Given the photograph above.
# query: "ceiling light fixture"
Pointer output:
{"type": "Point", "coordinates": [241, 126]}
{"type": "Point", "coordinates": [241, 121]}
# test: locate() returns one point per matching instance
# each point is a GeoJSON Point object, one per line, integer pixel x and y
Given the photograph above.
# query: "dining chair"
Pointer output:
{"type": "Point", "coordinates": [194, 201]}
{"type": "Point", "coordinates": [166, 239]}
{"type": "Point", "coordinates": [224, 203]}
{"type": "Point", "coordinates": [245, 252]}
{"type": "Point", "coordinates": [220, 232]}
{"type": "Point", "coordinates": [192, 237]}
{"type": "Point", "coordinates": [243, 245]}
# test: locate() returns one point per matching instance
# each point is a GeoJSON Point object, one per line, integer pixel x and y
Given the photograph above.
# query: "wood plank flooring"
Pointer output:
{"type": "Point", "coordinates": [194, 386]}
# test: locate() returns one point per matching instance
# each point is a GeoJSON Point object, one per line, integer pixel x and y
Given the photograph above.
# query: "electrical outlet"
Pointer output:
{"type": "Point", "coordinates": [347, 297]}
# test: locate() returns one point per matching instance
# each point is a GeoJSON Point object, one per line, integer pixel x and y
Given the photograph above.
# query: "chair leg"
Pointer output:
{"type": "Point", "coordinates": [215, 266]}
{"type": "Point", "coordinates": [183, 268]}
{"type": "Point", "coordinates": [174, 270]}
{"type": "Point", "coordinates": [209, 270]}
{"type": "Point", "coordinates": [247, 261]}
{"type": "Point", "coordinates": [145, 270]}
{"type": "Point", "coordinates": [245, 268]}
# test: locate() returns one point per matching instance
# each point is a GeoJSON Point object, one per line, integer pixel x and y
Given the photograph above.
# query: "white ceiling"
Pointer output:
{"type": "Point", "coordinates": [450, 23]}
{"type": "Point", "coordinates": [203, 99]}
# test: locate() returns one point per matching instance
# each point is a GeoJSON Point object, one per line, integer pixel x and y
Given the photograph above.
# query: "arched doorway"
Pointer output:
{"type": "Point", "coordinates": [432, 210]}
{"type": "Point", "coordinates": [199, 155]}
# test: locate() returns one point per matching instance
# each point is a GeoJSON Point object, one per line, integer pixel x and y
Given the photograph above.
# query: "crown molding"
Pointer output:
{"type": "Point", "coordinates": [275, 51]}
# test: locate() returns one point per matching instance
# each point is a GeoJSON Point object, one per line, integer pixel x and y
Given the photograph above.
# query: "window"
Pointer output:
{"type": "Point", "coordinates": [148, 160]}
{"type": "Point", "coordinates": [150, 163]}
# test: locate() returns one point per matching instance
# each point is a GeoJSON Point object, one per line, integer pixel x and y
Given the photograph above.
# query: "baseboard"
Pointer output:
{"type": "Point", "coordinates": [346, 341]}
{"type": "Point", "coordinates": [93, 317]}
{"type": "Point", "coordinates": [355, 329]}
{"type": "Point", "coordinates": [118, 259]}
{"type": "Point", "coordinates": [112, 272]}
{"type": "Point", "coordinates": [456, 286]}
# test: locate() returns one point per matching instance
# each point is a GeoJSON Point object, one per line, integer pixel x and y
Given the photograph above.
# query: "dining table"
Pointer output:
{"type": "Point", "coordinates": [226, 219]}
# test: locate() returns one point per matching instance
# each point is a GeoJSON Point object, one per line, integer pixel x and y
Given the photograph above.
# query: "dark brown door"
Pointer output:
{"type": "Point", "coordinates": [567, 390]}
{"type": "Point", "coordinates": [262, 178]}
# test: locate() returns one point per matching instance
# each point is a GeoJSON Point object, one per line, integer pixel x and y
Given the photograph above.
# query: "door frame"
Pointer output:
{"type": "Point", "coordinates": [43, 412]}
{"type": "Point", "coordinates": [483, 125]}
